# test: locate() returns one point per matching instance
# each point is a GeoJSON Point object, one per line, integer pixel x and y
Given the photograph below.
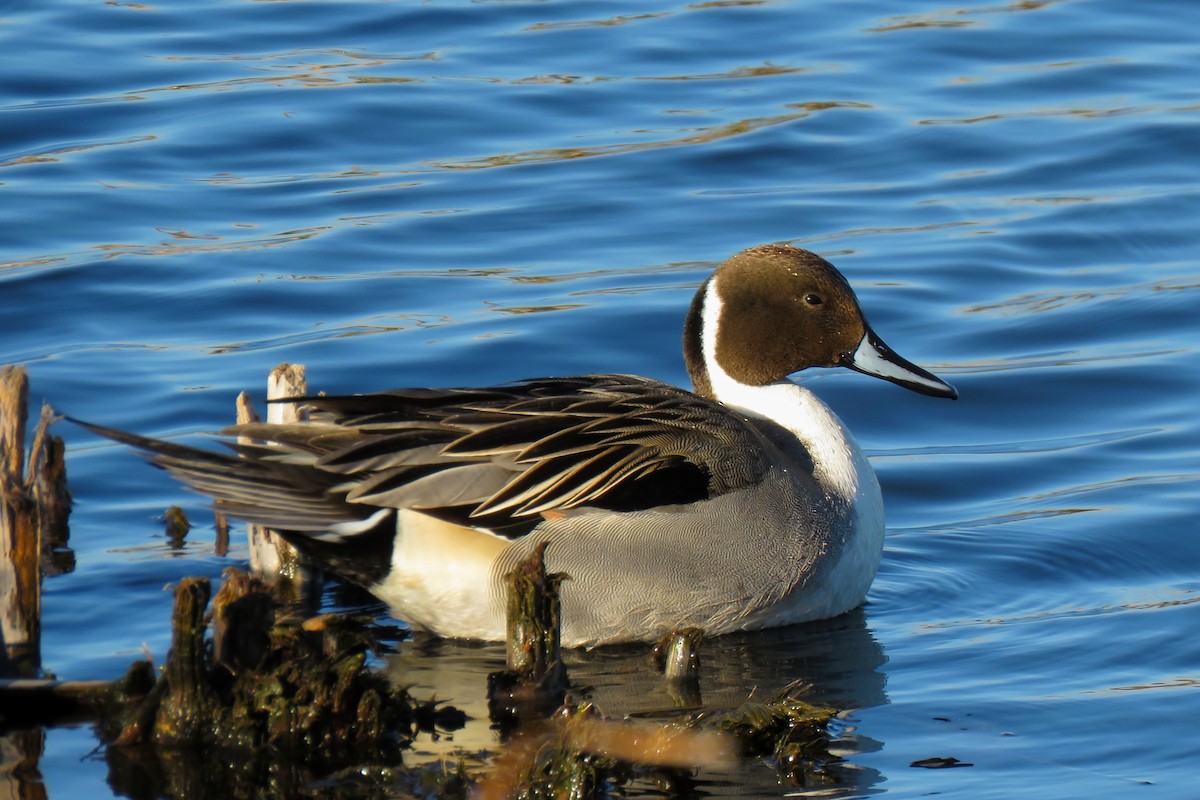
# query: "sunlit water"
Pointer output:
{"type": "Point", "coordinates": [446, 193]}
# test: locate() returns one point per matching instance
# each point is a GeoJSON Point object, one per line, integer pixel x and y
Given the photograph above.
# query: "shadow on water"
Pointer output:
{"type": "Point", "coordinates": [839, 660]}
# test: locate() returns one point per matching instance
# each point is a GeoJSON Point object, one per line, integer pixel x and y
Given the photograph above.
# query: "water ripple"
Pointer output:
{"type": "Point", "coordinates": [57, 152]}
{"type": "Point", "coordinates": [1018, 446]}
{"type": "Point", "coordinates": [684, 137]}
{"type": "Point", "coordinates": [1041, 302]}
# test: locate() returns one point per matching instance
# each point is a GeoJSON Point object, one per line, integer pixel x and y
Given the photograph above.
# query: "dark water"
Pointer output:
{"type": "Point", "coordinates": [447, 192]}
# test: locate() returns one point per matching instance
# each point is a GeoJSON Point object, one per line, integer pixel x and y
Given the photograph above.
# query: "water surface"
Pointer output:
{"type": "Point", "coordinates": [443, 193]}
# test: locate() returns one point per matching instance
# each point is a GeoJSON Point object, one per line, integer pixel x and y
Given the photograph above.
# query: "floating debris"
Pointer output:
{"type": "Point", "coordinates": [176, 526]}
{"type": "Point", "coordinates": [940, 762]}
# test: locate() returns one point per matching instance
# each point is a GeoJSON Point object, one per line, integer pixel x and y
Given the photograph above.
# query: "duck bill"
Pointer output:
{"type": "Point", "coordinates": [873, 357]}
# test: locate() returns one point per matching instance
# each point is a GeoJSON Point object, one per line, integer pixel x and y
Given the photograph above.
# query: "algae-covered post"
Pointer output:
{"type": "Point", "coordinates": [536, 679]}
{"type": "Point", "coordinates": [534, 620]}
{"type": "Point", "coordinates": [190, 704]}
{"type": "Point", "coordinates": [271, 558]}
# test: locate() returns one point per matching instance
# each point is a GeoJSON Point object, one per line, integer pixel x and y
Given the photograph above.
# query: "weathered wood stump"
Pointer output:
{"type": "Point", "coordinates": [34, 508]}
{"type": "Point", "coordinates": [272, 558]}
{"type": "Point", "coordinates": [189, 707]}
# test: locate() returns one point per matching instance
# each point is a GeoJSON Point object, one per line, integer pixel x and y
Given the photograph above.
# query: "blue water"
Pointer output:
{"type": "Point", "coordinates": [447, 192]}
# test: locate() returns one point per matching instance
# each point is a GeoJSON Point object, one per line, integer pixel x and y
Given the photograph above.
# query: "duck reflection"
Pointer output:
{"type": "Point", "coordinates": [838, 659]}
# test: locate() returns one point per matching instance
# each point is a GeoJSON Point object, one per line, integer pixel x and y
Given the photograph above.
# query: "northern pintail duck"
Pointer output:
{"type": "Point", "coordinates": [742, 504]}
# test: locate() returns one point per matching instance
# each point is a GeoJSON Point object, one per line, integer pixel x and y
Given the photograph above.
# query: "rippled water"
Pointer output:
{"type": "Point", "coordinates": [438, 193]}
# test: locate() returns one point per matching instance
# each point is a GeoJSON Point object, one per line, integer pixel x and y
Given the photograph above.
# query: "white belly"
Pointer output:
{"type": "Point", "coordinates": [442, 578]}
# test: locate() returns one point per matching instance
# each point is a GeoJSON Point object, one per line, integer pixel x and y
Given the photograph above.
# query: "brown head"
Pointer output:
{"type": "Point", "coordinates": [774, 310]}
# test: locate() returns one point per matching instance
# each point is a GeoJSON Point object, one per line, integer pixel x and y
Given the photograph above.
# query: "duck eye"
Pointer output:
{"type": "Point", "coordinates": [813, 299]}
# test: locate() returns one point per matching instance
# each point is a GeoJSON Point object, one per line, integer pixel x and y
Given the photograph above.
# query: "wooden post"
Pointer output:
{"type": "Point", "coordinates": [677, 656]}
{"type": "Point", "coordinates": [534, 621]}
{"type": "Point", "coordinates": [245, 415]}
{"type": "Point", "coordinates": [34, 508]}
{"type": "Point", "coordinates": [46, 479]}
{"type": "Point", "coordinates": [20, 543]}
{"type": "Point", "coordinates": [272, 559]}
{"type": "Point", "coordinates": [536, 679]}
{"type": "Point", "coordinates": [243, 611]}
{"type": "Point", "coordinates": [187, 710]}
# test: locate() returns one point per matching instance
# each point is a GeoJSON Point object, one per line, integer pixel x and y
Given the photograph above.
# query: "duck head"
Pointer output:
{"type": "Point", "coordinates": [774, 310]}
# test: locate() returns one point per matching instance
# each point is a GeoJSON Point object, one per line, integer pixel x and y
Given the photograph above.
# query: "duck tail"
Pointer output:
{"type": "Point", "coordinates": [276, 486]}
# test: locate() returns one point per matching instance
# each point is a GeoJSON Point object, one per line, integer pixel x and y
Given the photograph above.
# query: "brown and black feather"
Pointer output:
{"type": "Point", "coordinates": [497, 458]}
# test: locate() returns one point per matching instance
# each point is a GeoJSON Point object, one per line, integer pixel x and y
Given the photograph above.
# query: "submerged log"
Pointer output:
{"type": "Point", "coordinates": [221, 540]}
{"type": "Point", "coordinates": [39, 701]}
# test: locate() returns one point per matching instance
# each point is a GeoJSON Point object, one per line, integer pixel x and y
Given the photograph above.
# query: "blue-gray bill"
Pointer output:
{"type": "Point", "coordinates": [873, 357]}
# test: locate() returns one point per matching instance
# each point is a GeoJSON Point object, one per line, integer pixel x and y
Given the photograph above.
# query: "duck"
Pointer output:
{"type": "Point", "coordinates": [741, 504]}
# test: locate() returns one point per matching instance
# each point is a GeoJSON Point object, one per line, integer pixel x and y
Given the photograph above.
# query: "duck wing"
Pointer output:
{"type": "Point", "coordinates": [501, 458]}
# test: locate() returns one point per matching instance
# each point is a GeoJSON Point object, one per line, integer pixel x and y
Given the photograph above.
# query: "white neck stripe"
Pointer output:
{"type": "Point", "coordinates": [836, 458]}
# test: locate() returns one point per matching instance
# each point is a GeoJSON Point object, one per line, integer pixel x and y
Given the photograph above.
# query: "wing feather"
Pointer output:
{"type": "Point", "coordinates": [498, 457]}
{"type": "Point", "coordinates": [459, 485]}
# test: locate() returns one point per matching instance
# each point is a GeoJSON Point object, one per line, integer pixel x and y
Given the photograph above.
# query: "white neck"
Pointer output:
{"type": "Point", "coordinates": [837, 460]}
